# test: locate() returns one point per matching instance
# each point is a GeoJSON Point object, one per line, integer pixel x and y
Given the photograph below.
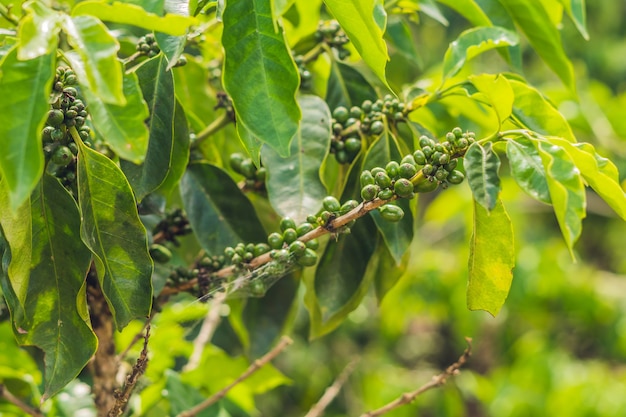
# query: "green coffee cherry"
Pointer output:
{"type": "Point", "coordinates": [235, 161]}
{"type": "Point", "coordinates": [62, 156]}
{"type": "Point", "coordinates": [348, 206]}
{"type": "Point", "coordinates": [428, 169]}
{"type": "Point", "coordinates": [392, 169]}
{"type": "Point", "coordinates": [450, 166]}
{"type": "Point", "coordinates": [403, 188]}
{"type": "Point", "coordinates": [425, 141]}
{"type": "Point", "coordinates": [457, 132]}
{"type": "Point", "coordinates": [297, 247]}
{"type": "Point", "coordinates": [275, 240]}
{"type": "Point", "coordinates": [290, 235]}
{"type": "Point", "coordinates": [308, 258]}
{"type": "Point", "coordinates": [376, 170]}
{"type": "Point", "coordinates": [420, 158]}
{"type": "Point", "coordinates": [261, 248]}
{"type": "Point", "coordinates": [391, 213]}
{"type": "Point", "coordinates": [408, 159]}
{"type": "Point", "coordinates": [369, 192]}
{"type": "Point", "coordinates": [383, 180]}
{"type": "Point", "coordinates": [455, 177]}
{"type": "Point", "coordinates": [377, 127]}
{"type": "Point", "coordinates": [313, 244]}
{"type": "Point", "coordinates": [247, 168]}
{"type": "Point", "coordinates": [280, 255]}
{"type": "Point", "coordinates": [386, 194]}
{"type": "Point", "coordinates": [341, 114]}
{"type": "Point", "coordinates": [331, 204]}
{"type": "Point", "coordinates": [287, 223]}
{"type": "Point", "coordinates": [160, 253]}
{"type": "Point", "coordinates": [407, 170]}
{"type": "Point", "coordinates": [304, 228]}
{"type": "Point", "coordinates": [425, 186]}
{"type": "Point", "coordinates": [55, 117]}
{"type": "Point", "coordinates": [441, 174]}
{"type": "Point", "coordinates": [353, 145]}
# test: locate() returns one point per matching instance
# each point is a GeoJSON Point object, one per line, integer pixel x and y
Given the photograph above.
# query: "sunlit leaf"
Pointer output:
{"type": "Point", "coordinates": [577, 12]}
{"type": "Point", "coordinates": [183, 397]}
{"type": "Point", "coordinates": [38, 32]}
{"type": "Point", "coordinates": [496, 91]}
{"type": "Point", "coordinates": [180, 151]}
{"type": "Point", "coordinates": [492, 257]}
{"type": "Point", "coordinates": [527, 169]}
{"type": "Point", "coordinates": [481, 168]}
{"type": "Point", "coordinates": [470, 10]}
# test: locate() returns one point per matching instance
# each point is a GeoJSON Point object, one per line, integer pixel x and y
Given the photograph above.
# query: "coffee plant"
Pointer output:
{"type": "Point", "coordinates": [239, 150]}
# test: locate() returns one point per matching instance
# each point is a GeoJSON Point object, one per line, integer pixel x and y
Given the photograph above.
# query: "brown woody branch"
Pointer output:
{"type": "Point", "coordinates": [332, 391]}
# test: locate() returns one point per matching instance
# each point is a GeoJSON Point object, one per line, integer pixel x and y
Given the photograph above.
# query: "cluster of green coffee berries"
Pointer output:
{"type": "Point", "coordinates": [147, 45]}
{"type": "Point", "coordinates": [306, 78]}
{"type": "Point", "coordinates": [66, 110]}
{"type": "Point", "coordinates": [330, 32]}
{"type": "Point", "coordinates": [331, 209]}
{"type": "Point", "coordinates": [254, 177]}
{"type": "Point", "coordinates": [175, 223]}
{"type": "Point", "coordinates": [439, 160]}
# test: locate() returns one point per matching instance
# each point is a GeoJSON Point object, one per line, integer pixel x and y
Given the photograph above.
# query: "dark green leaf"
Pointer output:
{"type": "Point", "coordinates": [24, 86]}
{"type": "Point", "coordinates": [180, 150]}
{"type": "Point", "coordinates": [192, 89]}
{"type": "Point", "coordinates": [254, 50]}
{"type": "Point", "coordinates": [157, 86]}
{"type": "Point", "coordinates": [183, 397]}
{"type": "Point", "coordinates": [218, 212]}
{"type": "Point", "coordinates": [38, 32]}
{"type": "Point", "coordinates": [473, 42]}
{"type": "Point", "coordinates": [481, 168]}
{"type": "Point", "coordinates": [492, 257]}
{"type": "Point", "coordinates": [293, 185]}
{"type": "Point", "coordinates": [527, 169]}
{"type": "Point", "coordinates": [567, 191]}
{"type": "Point", "coordinates": [113, 232]}
{"type": "Point", "coordinates": [388, 272]}
{"type": "Point", "coordinates": [347, 87]}
{"type": "Point", "coordinates": [172, 47]}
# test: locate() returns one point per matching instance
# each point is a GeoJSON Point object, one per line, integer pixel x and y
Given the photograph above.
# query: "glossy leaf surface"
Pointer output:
{"type": "Point", "coordinates": [347, 87]}
{"type": "Point", "coordinates": [470, 10]}
{"type": "Point", "coordinates": [496, 91]}
{"type": "Point", "coordinates": [527, 169]}
{"type": "Point", "coordinates": [578, 13]}
{"type": "Point", "coordinates": [481, 168]}
{"type": "Point", "coordinates": [38, 32]}
{"type": "Point", "coordinates": [180, 151]}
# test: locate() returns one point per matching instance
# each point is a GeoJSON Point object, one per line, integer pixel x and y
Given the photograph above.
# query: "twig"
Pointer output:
{"type": "Point", "coordinates": [7, 395]}
{"type": "Point", "coordinates": [216, 125]}
{"type": "Point", "coordinates": [436, 381]}
{"type": "Point", "coordinates": [256, 365]}
{"type": "Point", "coordinates": [122, 397]}
{"type": "Point", "coordinates": [206, 331]}
{"type": "Point", "coordinates": [6, 13]}
{"type": "Point", "coordinates": [136, 338]}
{"type": "Point", "coordinates": [332, 391]}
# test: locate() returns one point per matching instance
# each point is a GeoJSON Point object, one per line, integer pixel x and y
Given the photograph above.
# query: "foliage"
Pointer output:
{"type": "Point", "coordinates": [157, 153]}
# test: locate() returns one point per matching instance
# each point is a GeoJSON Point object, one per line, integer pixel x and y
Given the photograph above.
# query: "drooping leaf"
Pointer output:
{"type": "Point", "coordinates": [492, 258]}
{"type": "Point", "coordinates": [180, 151]}
{"type": "Point", "coordinates": [470, 10]}
{"type": "Point", "coordinates": [192, 89]}
{"type": "Point", "coordinates": [131, 14]}
{"type": "Point", "coordinates": [254, 50]}
{"type": "Point", "coordinates": [98, 50]}
{"type": "Point", "coordinates": [113, 232]}
{"type": "Point", "coordinates": [38, 31]}
{"type": "Point", "coordinates": [293, 184]}
{"type": "Point", "coordinates": [473, 42]}
{"type": "Point", "coordinates": [567, 191]}
{"type": "Point", "coordinates": [357, 20]}
{"type": "Point", "coordinates": [219, 214]}
{"type": "Point", "coordinates": [157, 86]}
{"type": "Point", "coordinates": [599, 172]}
{"type": "Point", "coordinates": [56, 318]}
{"type": "Point", "coordinates": [388, 272]}
{"type": "Point", "coordinates": [497, 92]}
{"type": "Point", "coordinates": [534, 20]}
{"type": "Point", "coordinates": [577, 12]}
{"type": "Point", "coordinates": [172, 47]}
{"type": "Point", "coordinates": [347, 87]}
{"type": "Point", "coordinates": [25, 86]}
{"type": "Point", "coordinates": [481, 165]}
{"type": "Point", "coordinates": [183, 397]}
{"type": "Point", "coordinates": [430, 8]}
{"type": "Point", "coordinates": [527, 169]}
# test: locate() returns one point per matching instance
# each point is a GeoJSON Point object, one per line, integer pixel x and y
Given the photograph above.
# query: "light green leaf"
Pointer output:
{"type": "Point", "coordinates": [98, 49]}
{"type": "Point", "coordinates": [192, 89]}
{"type": "Point", "coordinates": [535, 22]}
{"type": "Point", "coordinates": [600, 173]}
{"type": "Point", "coordinates": [38, 31]}
{"type": "Point", "coordinates": [157, 86]}
{"type": "Point", "coordinates": [429, 8]}
{"type": "Point", "coordinates": [492, 258]}
{"type": "Point", "coordinates": [294, 187]}
{"type": "Point", "coordinates": [130, 14]}
{"type": "Point", "coordinates": [113, 232]}
{"type": "Point", "coordinates": [535, 112]}
{"type": "Point", "coordinates": [481, 168]}
{"type": "Point", "coordinates": [25, 87]}
{"type": "Point", "coordinates": [357, 20]}
{"type": "Point", "coordinates": [577, 12]}
{"type": "Point", "coordinates": [347, 87]}
{"type": "Point", "coordinates": [527, 169]}
{"type": "Point", "coordinates": [470, 10]}
{"type": "Point", "coordinates": [255, 51]}
{"type": "Point", "coordinates": [473, 42]}
{"type": "Point", "coordinates": [496, 91]}
{"type": "Point", "coordinates": [388, 273]}
{"type": "Point", "coordinates": [183, 397]}
{"type": "Point", "coordinates": [219, 214]}
{"type": "Point", "coordinates": [56, 318]}
{"type": "Point", "coordinates": [567, 191]}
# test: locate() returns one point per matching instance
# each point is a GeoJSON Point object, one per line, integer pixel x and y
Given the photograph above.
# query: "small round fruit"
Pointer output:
{"type": "Point", "coordinates": [408, 159]}
{"type": "Point", "coordinates": [455, 177]}
{"type": "Point", "coordinates": [260, 174]}
{"type": "Point", "coordinates": [229, 252]}
{"type": "Point", "coordinates": [450, 166]}
{"type": "Point", "coordinates": [348, 206]}
{"type": "Point", "coordinates": [403, 188]}
{"type": "Point", "coordinates": [441, 174]}
{"type": "Point", "coordinates": [235, 161]}
{"type": "Point", "coordinates": [386, 194]}
{"type": "Point", "coordinates": [160, 253]}
{"type": "Point", "coordinates": [457, 132]}
{"type": "Point", "coordinates": [275, 240]}
{"type": "Point", "coordinates": [46, 134]}
{"type": "Point", "coordinates": [420, 158]}
{"type": "Point", "coordinates": [304, 228]}
{"type": "Point", "coordinates": [261, 248]}
{"type": "Point", "coordinates": [356, 112]}
{"type": "Point", "coordinates": [450, 137]}
{"type": "Point", "coordinates": [308, 258]}
{"type": "Point", "coordinates": [341, 114]}
{"type": "Point", "coordinates": [247, 168]}
{"type": "Point", "coordinates": [297, 247]}
{"type": "Point", "coordinates": [369, 192]}
{"type": "Point", "coordinates": [425, 186]}
{"type": "Point", "coordinates": [55, 117]}
{"type": "Point", "coordinates": [70, 79]}
{"type": "Point", "coordinates": [62, 156]}
{"type": "Point", "coordinates": [444, 159]}
{"type": "Point", "coordinates": [331, 204]}
{"type": "Point", "coordinates": [391, 213]}
{"type": "Point", "coordinates": [290, 235]}
{"type": "Point", "coordinates": [287, 223]}
{"type": "Point", "coordinates": [342, 157]}
{"type": "Point", "coordinates": [428, 169]}
{"type": "Point", "coordinates": [377, 127]}
{"type": "Point", "coordinates": [392, 169]}
{"type": "Point", "coordinates": [280, 255]}
{"type": "Point", "coordinates": [383, 180]}
{"type": "Point", "coordinates": [313, 244]}
{"type": "Point", "coordinates": [425, 141]}
{"type": "Point", "coordinates": [353, 145]}
{"type": "Point", "coordinates": [70, 91]}
{"type": "Point", "coordinates": [366, 106]}
{"type": "Point", "coordinates": [407, 170]}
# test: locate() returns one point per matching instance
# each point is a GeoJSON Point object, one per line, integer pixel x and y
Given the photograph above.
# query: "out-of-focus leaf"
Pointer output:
{"type": "Point", "coordinates": [527, 169]}
{"type": "Point", "coordinates": [157, 86]}
{"type": "Point", "coordinates": [254, 50]}
{"type": "Point", "coordinates": [293, 184]}
{"type": "Point", "coordinates": [130, 14]}
{"type": "Point", "coordinates": [192, 89]}
{"type": "Point", "coordinates": [172, 47]}
{"type": "Point", "coordinates": [399, 36]}
{"type": "Point", "coordinates": [183, 397]}
{"type": "Point", "coordinates": [113, 232]}
{"type": "Point", "coordinates": [430, 8]}
{"type": "Point", "coordinates": [470, 10]}
{"type": "Point", "coordinates": [600, 173]}
{"type": "Point", "coordinates": [536, 113]}
{"type": "Point", "coordinates": [388, 272]}
{"type": "Point", "coordinates": [347, 87]}
{"type": "Point", "coordinates": [473, 42]}
{"type": "Point", "coordinates": [497, 92]}
{"type": "Point", "coordinates": [180, 151]}
{"type": "Point", "coordinates": [357, 20]}
{"type": "Point", "coordinates": [219, 214]}
{"type": "Point", "coordinates": [152, 6]}
{"type": "Point", "coordinates": [492, 257]}
{"type": "Point", "coordinates": [38, 31]}
{"type": "Point", "coordinates": [577, 12]}
{"type": "Point", "coordinates": [567, 191]}
{"type": "Point", "coordinates": [481, 165]}
{"type": "Point", "coordinates": [24, 86]}
{"type": "Point", "coordinates": [56, 318]}
{"type": "Point", "coordinates": [544, 36]}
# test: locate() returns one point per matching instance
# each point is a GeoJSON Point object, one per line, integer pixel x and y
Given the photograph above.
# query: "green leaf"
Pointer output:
{"type": "Point", "coordinates": [481, 168]}
{"type": "Point", "coordinates": [180, 151]}
{"type": "Point", "coordinates": [473, 42]}
{"type": "Point", "coordinates": [535, 22]}
{"type": "Point", "coordinates": [157, 86]}
{"type": "Point", "coordinates": [172, 47]}
{"type": "Point", "coordinates": [492, 258]}
{"type": "Point", "coordinates": [56, 318]}
{"type": "Point", "coordinates": [600, 173]}
{"type": "Point", "coordinates": [98, 49]}
{"type": "Point", "coordinates": [24, 86]}
{"type": "Point", "coordinates": [535, 112]}
{"type": "Point", "coordinates": [398, 235]}
{"type": "Point", "coordinates": [347, 87]}
{"type": "Point", "coordinates": [219, 214]}
{"type": "Point", "coordinates": [152, 6]}
{"type": "Point", "coordinates": [113, 232]}
{"type": "Point", "coordinates": [293, 184]}
{"type": "Point", "coordinates": [130, 14]}
{"type": "Point", "coordinates": [470, 10]}
{"type": "Point", "coordinates": [357, 20]}
{"type": "Point", "coordinates": [497, 92]}
{"type": "Point", "coordinates": [577, 12]}
{"type": "Point", "coordinates": [567, 191]}
{"type": "Point", "coordinates": [527, 169]}
{"type": "Point", "coordinates": [183, 397]}
{"type": "Point", "coordinates": [254, 50]}
{"type": "Point", "coordinates": [38, 32]}
{"type": "Point", "coordinates": [192, 89]}
{"type": "Point", "coordinates": [429, 8]}
{"type": "Point", "coordinates": [388, 272]}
